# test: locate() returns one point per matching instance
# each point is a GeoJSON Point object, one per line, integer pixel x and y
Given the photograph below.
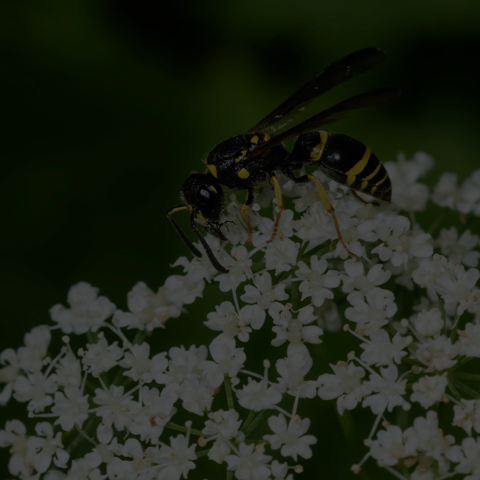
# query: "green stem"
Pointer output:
{"type": "Point", "coordinates": [320, 250]}
{"type": "Point", "coordinates": [228, 392]}
{"type": "Point", "coordinates": [248, 421]}
{"type": "Point", "coordinates": [202, 453]}
{"type": "Point", "coordinates": [411, 361]}
{"type": "Point", "coordinates": [466, 389]}
{"type": "Point", "coordinates": [468, 376]}
{"type": "Point", "coordinates": [454, 391]}
{"type": "Point", "coordinates": [180, 428]}
{"type": "Point", "coordinates": [453, 328]}
{"type": "Point", "coordinates": [250, 428]}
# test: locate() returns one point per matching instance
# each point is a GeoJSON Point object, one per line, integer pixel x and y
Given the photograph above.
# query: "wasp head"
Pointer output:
{"type": "Point", "coordinates": [205, 196]}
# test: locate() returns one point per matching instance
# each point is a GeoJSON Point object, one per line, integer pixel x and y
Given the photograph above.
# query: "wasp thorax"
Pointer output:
{"type": "Point", "coordinates": [205, 195]}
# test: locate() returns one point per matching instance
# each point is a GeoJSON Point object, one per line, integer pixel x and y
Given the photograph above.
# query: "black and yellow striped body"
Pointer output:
{"type": "Point", "coordinates": [345, 160]}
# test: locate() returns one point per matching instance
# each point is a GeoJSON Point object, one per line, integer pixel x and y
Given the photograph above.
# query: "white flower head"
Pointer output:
{"type": "Point", "coordinates": [87, 310]}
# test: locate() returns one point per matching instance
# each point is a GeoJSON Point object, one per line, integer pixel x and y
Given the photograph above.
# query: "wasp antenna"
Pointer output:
{"type": "Point", "coordinates": [186, 241]}
{"type": "Point", "coordinates": [206, 246]}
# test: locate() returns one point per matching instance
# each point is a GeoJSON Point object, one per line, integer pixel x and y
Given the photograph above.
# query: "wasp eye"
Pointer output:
{"type": "Point", "coordinates": [204, 193]}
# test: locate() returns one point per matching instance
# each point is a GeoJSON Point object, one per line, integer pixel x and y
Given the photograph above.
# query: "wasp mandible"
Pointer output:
{"type": "Point", "coordinates": [246, 161]}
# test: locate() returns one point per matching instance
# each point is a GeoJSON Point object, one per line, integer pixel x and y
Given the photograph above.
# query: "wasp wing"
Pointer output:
{"type": "Point", "coordinates": [336, 73]}
{"type": "Point", "coordinates": [338, 111]}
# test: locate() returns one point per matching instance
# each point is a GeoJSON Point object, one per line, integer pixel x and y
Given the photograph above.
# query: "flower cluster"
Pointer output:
{"type": "Point", "coordinates": [107, 405]}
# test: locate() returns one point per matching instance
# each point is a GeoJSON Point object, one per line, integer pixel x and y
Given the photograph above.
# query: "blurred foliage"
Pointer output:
{"type": "Point", "coordinates": [109, 105]}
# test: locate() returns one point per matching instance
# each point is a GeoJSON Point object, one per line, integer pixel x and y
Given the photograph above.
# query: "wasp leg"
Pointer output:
{"type": "Point", "coordinates": [355, 194]}
{"type": "Point", "coordinates": [280, 206]}
{"type": "Point", "coordinates": [326, 204]}
{"type": "Point", "coordinates": [216, 264]}
{"type": "Point", "coordinates": [245, 217]}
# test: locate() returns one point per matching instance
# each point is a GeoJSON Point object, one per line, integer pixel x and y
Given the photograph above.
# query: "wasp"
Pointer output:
{"type": "Point", "coordinates": [254, 158]}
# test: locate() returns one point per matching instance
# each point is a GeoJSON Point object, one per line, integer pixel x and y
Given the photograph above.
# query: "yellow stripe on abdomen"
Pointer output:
{"type": "Point", "coordinates": [358, 167]}
{"type": "Point", "coordinates": [379, 182]}
{"type": "Point", "coordinates": [369, 177]}
{"type": "Point", "coordinates": [318, 149]}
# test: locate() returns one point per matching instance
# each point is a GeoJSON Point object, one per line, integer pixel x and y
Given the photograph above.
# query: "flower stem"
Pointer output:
{"type": "Point", "coordinates": [248, 421]}
{"type": "Point", "coordinates": [228, 392]}
{"type": "Point", "coordinates": [468, 376]}
{"type": "Point", "coordinates": [181, 428]}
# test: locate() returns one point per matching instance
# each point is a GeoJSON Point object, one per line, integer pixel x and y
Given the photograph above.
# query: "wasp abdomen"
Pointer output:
{"type": "Point", "coordinates": [345, 160]}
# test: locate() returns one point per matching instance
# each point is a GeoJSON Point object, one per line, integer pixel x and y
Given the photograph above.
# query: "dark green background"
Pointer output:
{"type": "Point", "coordinates": [109, 105]}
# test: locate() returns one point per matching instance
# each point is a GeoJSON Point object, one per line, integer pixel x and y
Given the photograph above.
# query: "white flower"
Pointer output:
{"type": "Point", "coordinates": [438, 353]}
{"type": "Point", "coordinates": [393, 445]}
{"type": "Point", "coordinates": [428, 322]}
{"type": "Point", "coordinates": [31, 355]}
{"type": "Point", "coordinates": [183, 364]}
{"type": "Point", "coordinates": [196, 395]}
{"type": "Point", "coordinates": [345, 384]}
{"type": "Point", "coordinates": [82, 468]}
{"type": "Point", "coordinates": [176, 460]}
{"type": "Point", "coordinates": [149, 310]}
{"type": "Point", "coordinates": [408, 194]}
{"type": "Point", "coordinates": [430, 438]}
{"type": "Point", "coordinates": [258, 396]}
{"type": "Point", "coordinates": [227, 320]}
{"type": "Point", "coordinates": [458, 289]}
{"type": "Point", "coordinates": [139, 460]}
{"type": "Point", "coordinates": [314, 226]}
{"type": "Point", "coordinates": [68, 371]}
{"type": "Point", "coordinates": [470, 340]}
{"type": "Point", "coordinates": [381, 350]}
{"type": "Point", "coordinates": [281, 255]}
{"type": "Point", "coordinates": [35, 389]}
{"type": "Point", "coordinates": [291, 437]}
{"type": "Point", "coordinates": [228, 359]}
{"type": "Point", "coordinates": [138, 361]}
{"type": "Point", "coordinates": [280, 471]}
{"type": "Point", "coordinates": [356, 280]}
{"type": "Point", "coordinates": [459, 250]}
{"type": "Point", "coordinates": [249, 462]}
{"type": "Point", "coordinates": [101, 357]}
{"type": "Point", "coordinates": [469, 200]}
{"type": "Point", "coordinates": [197, 269]}
{"type": "Point", "coordinates": [266, 225]}
{"type": "Point", "coordinates": [467, 456]}
{"type": "Point", "coordinates": [467, 415]}
{"type": "Point", "coordinates": [315, 282]}
{"type": "Point", "coordinates": [87, 311]}
{"type": "Point", "coordinates": [238, 270]}
{"type": "Point", "coordinates": [293, 370]}
{"type": "Point", "coordinates": [8, 373]}
{"type": "Point", "coordinates": [180, 290]}
{"type": "Point", "coordinates": [14, 436]}
{"type": "Point", "coordinates": [263, 294]}
{"type": "Point", "coordinates": [71, 408]}
{"type": "Point", "coordinates": [223, 423]}
{"type": "Point", "coordinates": [115, 407]}
{"type": "Point", "coordinates": [387, 390]}
{"type": "Point", "coordinates": [428, 273]}
{"type": "Point", "coordinates": [149, 418]}
{"type": "Point", "coordinates": [429, 390]}
{"type": "Point", "coordinates": [370, 315]}
{"type": "Point", "coordinates": [446, 193]}
{"type": "Point", "coordinates": [294, 330]}
{"type": "Point", "coordinates": [398, 246]}
{"type": "Point", "coordinates": [46, 446]}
